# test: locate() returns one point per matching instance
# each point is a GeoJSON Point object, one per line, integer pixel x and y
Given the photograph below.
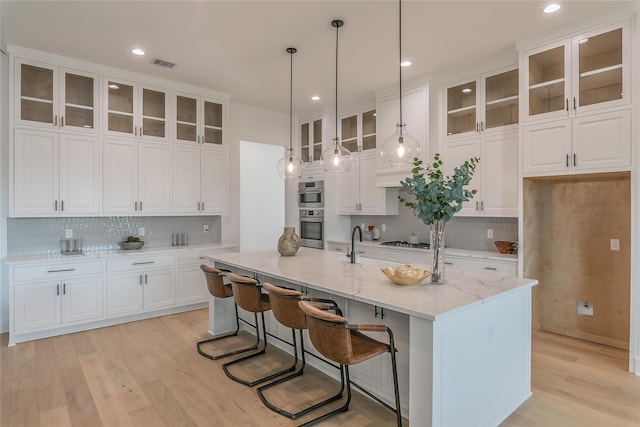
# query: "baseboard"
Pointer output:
{"type": "Point", "coordinates": [624, 345]}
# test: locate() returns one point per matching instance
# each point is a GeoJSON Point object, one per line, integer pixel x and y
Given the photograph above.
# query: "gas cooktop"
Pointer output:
{"type": "Point", "coordinates": [405, 244]}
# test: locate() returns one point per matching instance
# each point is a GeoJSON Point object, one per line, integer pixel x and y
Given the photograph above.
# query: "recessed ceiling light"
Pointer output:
{"type": "Point", "coordinates": [315, 98]}
{"type": "Point", "coordinates": [113, 86]}
{"type": "Point", "coordinates": [466, 90]}
{"type": "Point", "coordinates": [553, 7]}
{"type": "Point", "coordinates": [405, 63]}
{"type": "Point", "coordinates": [582, 41]}
{"type": "Point", "coordinates": [137, 51]}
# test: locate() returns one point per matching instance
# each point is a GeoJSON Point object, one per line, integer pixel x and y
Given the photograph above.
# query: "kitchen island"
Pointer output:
{"type": "Point", "coordinates": [469, 341]}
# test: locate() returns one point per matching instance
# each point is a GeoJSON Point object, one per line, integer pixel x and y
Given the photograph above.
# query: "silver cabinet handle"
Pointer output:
{"type": "Point", "coordinates": [203, 206]}
{"type": "Point", "coordinates": [55, 205]}
{"type": "Point", "coordinates": [448, 263]}
{"type": "Point", "coordinates": [198, 206]}
{"type": "Point", "coordinates": [567, 104]}
{"type": "Point", "coordinates": [64, 289]}
{"type": "Point", "coordinates": [481, 126]}
{"type": "Point", "coordinates": [567, 162]}
{"type": "Point", "coordinates": [58, 289]}
{"type": "Point", "coordinates": [55, 120]}
{"type": "Point", "coordinates": [135, 205]}
{"type": "Point", "coordinates": [61, 205]}
{"type": "Point", "coordinates": [574, 159]}
{"type": "Point", "coordinates": [477, 206]}
{"type": "Point", "coordinates": [60, 271]}
{"type": "Point", "coordinates": [490, 268]}
{"type": "Point", "coordinates": [203, 257]}
{"type": "Point", "coordinates": [477, 127]}
{"type": "Point", "coordinates": [61, 121]}
{"type": "Point", "coordinates": [140, 279]}
{"type": "Point", "coordinates": [140, 205]}
{"type": "Point", "coordinates": [574, 104]}
{"type": "Point", "coordinates": [143, 263]}
{"type": "Point", "coordinates": [482, 205]}
{"type": "Point", "coordinates": [145, 278]}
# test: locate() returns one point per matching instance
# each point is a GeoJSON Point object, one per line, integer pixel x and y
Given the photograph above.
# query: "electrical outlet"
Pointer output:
{"type": "Point", "coordinates": [489, 233]}
{"type": "Point", "coordinates": [584, 308]}
{"type": "Point", "coordinates": [615, 244]}
{"type": "Point", "coordinates": [383, 227]}
{"type": "Point", "coordinates": [205, 229]}
{"type": "Point", "coordinates": [141, 231]}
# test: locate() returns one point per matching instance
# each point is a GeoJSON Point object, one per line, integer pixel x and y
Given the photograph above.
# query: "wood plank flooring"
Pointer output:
{"type": "Point", "coordinates": [148, 373]}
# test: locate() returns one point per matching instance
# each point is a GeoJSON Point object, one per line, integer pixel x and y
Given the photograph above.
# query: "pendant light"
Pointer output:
{"type": "Point", "coordinates": [336, 158]}
{"type": "Point", "coordinates": [290, 166]}
{"type": "Point", "coordinates": [400, 148]}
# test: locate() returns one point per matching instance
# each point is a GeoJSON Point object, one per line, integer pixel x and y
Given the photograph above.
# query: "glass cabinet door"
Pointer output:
{"type": "Point", "coordinates": [349, 133]}
{"type": "Point", "coordinates": [79, 108]}
{"type": "Point", "coordinates": [547, 81]}
{"type": "Point", "coordinates": [369, 130]}
{"type": "Point", "coordinates": [212, 123]}
{"type": "Point", "coordinates": [317, 139]}
{"type": "Point", "coordinates": [120, 107]}
{"type": "Point", "coordinates": [304, 142]}
{"type": "Point", "coordinates": [501, 99]}
{"type": "Point", "coordinates": [461, 108]}
{"type": "Point", "coordinates": [186, 118]}
{"type": "Point", "coordinates": [600, 68]}
{"type": "Point", "coordinates": [37, 93]}
{"type": "Point", "coordinates": [154, 111]}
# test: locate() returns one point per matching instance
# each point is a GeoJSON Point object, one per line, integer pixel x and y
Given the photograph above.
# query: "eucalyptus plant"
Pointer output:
{"type": "Point", "coordinates": [438, 197]}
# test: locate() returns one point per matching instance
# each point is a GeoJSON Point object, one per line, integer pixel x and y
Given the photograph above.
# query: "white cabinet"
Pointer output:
{"type": "Point", "coordinates": [482, 105]}
{"type": "Point", "coordinates": [358, 193]}
{"type": "Point", "coordinates": [496, 176]}
{"type": "Point", "coordinates": [358, 131]}
{"type": "Point", "coordinates": [55, 173]}
{"type": "Point", "coordinates": [587, 72]}
{"type": "Point", "coordinates": [55, 98]}
{"type": "Point", "coordinates": [590, 143]}
{"type": "Point", "coordinates": [414, 114]}
{"type": "Point", "coordinates": [136, 177]}
{"type": "Point", "coordinates": [135, 110]}
{"type": "Point", "coordinates": [311, 137]}
{"type": "Point", "coordinates": [137, 284]}
{"type": "Point", "coordinates": [53, 295]}
{"type": "Point", "coordinates": [191, 283]}
{"type": "Point", "coordinates": [198, 120]}
{"type": "Point", "coordinates": [199, 181]}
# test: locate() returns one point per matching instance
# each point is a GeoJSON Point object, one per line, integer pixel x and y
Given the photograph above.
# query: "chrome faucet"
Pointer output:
{"type": "Point", "coordinates": [353, 249]}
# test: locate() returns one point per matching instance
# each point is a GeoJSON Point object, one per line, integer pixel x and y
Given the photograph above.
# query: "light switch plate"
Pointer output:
{"type": "Point", "coordinates": [615, 244]}
{"type": "Point", "coordinates": [205, 229]}
{"type": "Point", "coordinates": [141, 231]}
{"type": "Point", "coordinates": [584, 308]}
{"type": "Point", "coordinates": [489, 233]}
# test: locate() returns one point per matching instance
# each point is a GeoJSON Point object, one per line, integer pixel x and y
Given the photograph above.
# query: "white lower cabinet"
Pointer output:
{"type": "Point", "coordinates": [191, 283]}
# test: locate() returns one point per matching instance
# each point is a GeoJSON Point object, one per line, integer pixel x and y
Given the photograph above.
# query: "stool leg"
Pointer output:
{"type": "Point", "coordinates": [232, 334]}
{"type": "Point", "coordinates": [396, 389]}
{"type": "Point", "coordinates": [344, 374]}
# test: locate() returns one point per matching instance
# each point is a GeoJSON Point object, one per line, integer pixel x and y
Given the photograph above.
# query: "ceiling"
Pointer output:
{"type": "Point", "coordinates": [239, 47]}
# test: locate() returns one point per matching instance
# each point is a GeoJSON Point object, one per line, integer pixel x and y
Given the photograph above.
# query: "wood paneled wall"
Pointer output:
{"type": "Point", "coordinates": [568, 224]}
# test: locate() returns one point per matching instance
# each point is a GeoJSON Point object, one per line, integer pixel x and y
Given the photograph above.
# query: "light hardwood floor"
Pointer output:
{"type": "Point", "coordinates": [148, 373]}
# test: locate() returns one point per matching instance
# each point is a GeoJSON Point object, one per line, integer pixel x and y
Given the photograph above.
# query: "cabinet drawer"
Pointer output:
{"type": "Point", "coordinates": [337, 247]}
{"type": "Point", "coordinates": [196, 258]}
{"type": "Point", "coordinates": [505, 268]}
{"type": "Point", "coordinates": [139, 263]}
{"type": "Point", "coordinates": [457, 263]}
{"type": "Point", "coordinates": [55, 271]}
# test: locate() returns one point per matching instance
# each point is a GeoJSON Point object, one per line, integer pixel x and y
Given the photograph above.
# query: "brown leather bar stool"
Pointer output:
{"type": "Point", "coordinates": [343, 343]}
{"type": "Point", "coordinates": [248, 296]}
{"type": "Point", "coordinates": [285, 308]}
{"type": "Point", "coordinates": [218, 289]}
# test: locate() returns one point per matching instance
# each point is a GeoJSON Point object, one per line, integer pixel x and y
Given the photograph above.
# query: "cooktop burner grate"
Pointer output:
{"type": "Point", "coordinates": [405, 244]}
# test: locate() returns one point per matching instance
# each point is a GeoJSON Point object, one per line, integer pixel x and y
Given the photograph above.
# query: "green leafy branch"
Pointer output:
{"type": "Point", "coordinates": [436, 196]}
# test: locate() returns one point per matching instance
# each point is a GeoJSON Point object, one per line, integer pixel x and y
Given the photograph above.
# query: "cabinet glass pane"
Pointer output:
{"type": "Point", "coordinates": [349, 127]}
{"type": "Point", "coordinates": [600, 63]}
{"type": "Point", "coordinates": [317, 151]}
{"type": "Point", "coordinates": [36, 90]}
{"type": "Point", "coordinates": [79, 102]}
{"type": "Point", "coordinates": [153, 127]}
{"type": "Point", "coordinates": [369, 142]}
{"type": "Point", "coordinates": [351, 145]}
{"type": "Point", "coordinates": [369, 130]}
{"type": "Point", "coordinates": [120, 123]}
{"type": "Point", "coordinates": [120, 98]}
{"type": "Point", "coordinates": [186, 132]}
{"type": "Point", "coordinates": [546, 81]}
{"type": "Point", "coordinates": [501, 99]}
{"type": "Point", "coordinates": [212, 114]}
{"type": "Point", "coordinates": [304, 142]}
{"type": "Point", "coordinates": [153, 104]}
{"type": "Point", "coordinates": [317, 131]}
{"type": "Point", "coordinates": [212, 136]}
{"type": "Point", "coordinates": [461, 108]}
{"type": "Point", "coordinates": [186, 110]}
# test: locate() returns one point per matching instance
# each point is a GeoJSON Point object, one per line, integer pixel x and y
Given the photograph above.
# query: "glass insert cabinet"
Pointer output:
{"type": "Point", "coordinates": [198, 120]}
{"type": "Point", "coordinates": [311, 140]}
{"type": "Point", "coordinates": [358, 132]}
{"type": "Point", "coordinates": [585, 72]}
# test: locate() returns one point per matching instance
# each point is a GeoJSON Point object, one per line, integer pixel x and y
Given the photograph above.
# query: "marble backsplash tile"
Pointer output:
{"type": "Point", "coordinates": [26, 236]}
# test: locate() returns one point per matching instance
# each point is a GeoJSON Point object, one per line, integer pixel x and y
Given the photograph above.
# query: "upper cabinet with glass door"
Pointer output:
{"type": "Point", "coordinates": [198, 120]}
{"type": "Point", "coordinates": [358, 132]}
{"type": "Point", "coordinates": [484, 104]}
{"type": "Point", "coordinates": [589, 71]}
{"type": "Point", "coordinates": [136, 110]}
{"type": "Point", "coordinates": [55, 98]}
{"type": "Point", "coordinates": [311, 140]}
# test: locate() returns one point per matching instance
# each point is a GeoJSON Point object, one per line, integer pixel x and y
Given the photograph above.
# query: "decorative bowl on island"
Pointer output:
{"type": "Point", "coordinates": [131, 245]}
{"type": "Point", "coordinates": [405, 275]}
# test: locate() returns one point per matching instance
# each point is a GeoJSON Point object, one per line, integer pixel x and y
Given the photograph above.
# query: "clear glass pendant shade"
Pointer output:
{"type": "Point", "coordinates": [336, 158]}
{"type": "Point", "coordinates": [400, 148]}
{"type": "Point", "coordinates": [290, 166]}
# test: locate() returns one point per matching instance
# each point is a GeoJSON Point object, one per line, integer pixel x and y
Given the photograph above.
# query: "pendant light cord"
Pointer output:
{"type": "Point", "coordinates": [291, 52]}
{"type": "Point", "coordinates": [400, 58]}
{"type": "Point", "coordinates": [338, 24]}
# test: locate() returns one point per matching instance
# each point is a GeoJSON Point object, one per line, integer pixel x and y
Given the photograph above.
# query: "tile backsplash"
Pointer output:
{"type": "Point", "coordinates": [34, 236]}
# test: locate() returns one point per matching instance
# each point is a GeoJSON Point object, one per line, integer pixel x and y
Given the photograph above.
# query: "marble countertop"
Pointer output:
{"type": "Point", "coordinates": [363, 281]}
{"type": "Point", "coordinates": [448, 251]}
{"type": "Point", "coordinates": [88, 255]}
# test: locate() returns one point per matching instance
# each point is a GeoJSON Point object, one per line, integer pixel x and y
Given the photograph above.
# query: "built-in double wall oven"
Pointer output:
{"type": "Point", "coordinates": [311, 204]}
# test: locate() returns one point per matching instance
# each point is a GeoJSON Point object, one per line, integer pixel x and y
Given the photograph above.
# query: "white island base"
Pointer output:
{"type": "Point", "coordinates": [469, 341]}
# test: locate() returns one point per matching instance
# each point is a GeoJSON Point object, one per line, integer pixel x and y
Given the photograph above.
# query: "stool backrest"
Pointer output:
{"type": "Point", "coordinates": [284, 304]}
{"type": "Point", "coordinates": [215, 284]}
{"type": "Point", "coordinates": [247, 293]}
{"type": "Point", "coordinates": [328, 333]}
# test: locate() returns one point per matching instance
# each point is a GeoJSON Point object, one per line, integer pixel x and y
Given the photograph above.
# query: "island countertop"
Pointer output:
{"type": "Point", "coordinates": [363, 281]}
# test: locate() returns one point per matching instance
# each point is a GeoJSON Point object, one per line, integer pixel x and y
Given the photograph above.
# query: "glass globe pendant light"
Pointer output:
{"type": "Point", "coordinates": [290, 166]}
{"type": "Point", "coordinates": [336, 158]}
{"type": "Point", "coordinates": [400, 148]}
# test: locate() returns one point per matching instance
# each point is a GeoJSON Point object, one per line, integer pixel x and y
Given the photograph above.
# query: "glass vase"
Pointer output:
{"type": "Point", "coordinates": [437, 244]}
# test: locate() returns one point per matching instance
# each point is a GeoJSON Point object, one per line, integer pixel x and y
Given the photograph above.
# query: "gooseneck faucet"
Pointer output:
{"type": "Point", "coordinates": [353, 249]}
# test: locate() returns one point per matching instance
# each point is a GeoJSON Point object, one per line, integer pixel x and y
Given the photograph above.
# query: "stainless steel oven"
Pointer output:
{"type": "Point", "coordinates": [311, 194]}
{"type": "Point", "coordinates": [312, 228]}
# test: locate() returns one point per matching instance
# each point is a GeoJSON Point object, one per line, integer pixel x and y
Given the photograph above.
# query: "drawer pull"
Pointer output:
{"type": "Point", "coordinates": [143, 263]}
{"type": "Point", "coordinates": [203, 257]}
{"type": "Point", "coordinates": [490, 268]}
{"type": "Point", "coordinates": [448, 263]}
{"type": "Point", "coordinates": [60, 271]}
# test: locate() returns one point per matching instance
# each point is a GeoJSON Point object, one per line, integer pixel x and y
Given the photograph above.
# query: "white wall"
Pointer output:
{"type": "Point", "coordinates": [4, 178]}
{"type": "Point", "coordinates": [634, 345]}
{"type": "Point", "coordinates": [265, 126]}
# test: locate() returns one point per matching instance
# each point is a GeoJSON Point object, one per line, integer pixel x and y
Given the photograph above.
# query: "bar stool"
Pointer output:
{"type": "Point", "coordinates": [284, 304]}
{"type": "Point", "coordinates": [218, 289]}
{"type": "Point", "coordinates": [248, 296]}
{"type": "Point", "coordinates": [337, 340]}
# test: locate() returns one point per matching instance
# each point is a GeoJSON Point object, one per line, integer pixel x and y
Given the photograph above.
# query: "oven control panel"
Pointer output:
{"type": "Point", "coordinates": [311, 213]}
